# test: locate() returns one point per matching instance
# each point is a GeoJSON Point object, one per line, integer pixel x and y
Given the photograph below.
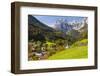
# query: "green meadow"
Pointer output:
{"type": "Point", "coordinates": [76, 51]}
{"type": "Point", "coordinates": [71, 53]}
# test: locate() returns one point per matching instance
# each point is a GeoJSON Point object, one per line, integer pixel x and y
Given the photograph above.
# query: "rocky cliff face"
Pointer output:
{"type": "Point", "coordinates": [64, 26]}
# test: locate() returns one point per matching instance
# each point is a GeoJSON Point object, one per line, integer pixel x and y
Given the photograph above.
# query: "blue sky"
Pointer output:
{"type": "Point", "coordinates": [51, 20]}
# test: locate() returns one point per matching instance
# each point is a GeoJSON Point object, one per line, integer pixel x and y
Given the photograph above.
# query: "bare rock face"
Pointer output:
{"type": "Point", "coordinates": [65, 26]}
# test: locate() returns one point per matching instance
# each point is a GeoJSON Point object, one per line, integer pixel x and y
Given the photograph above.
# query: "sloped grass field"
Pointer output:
{"type": "Point", "coordinates": [77, 51]}
{"type": "Point", "coordinates": [83, 42]}
{"type": "Point", "coordinates": [71, 53]}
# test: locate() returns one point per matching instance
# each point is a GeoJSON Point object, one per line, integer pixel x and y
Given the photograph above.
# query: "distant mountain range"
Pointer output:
{"type": "Point", "coordinates": [65, 26]}
{"type": "Point", "coordinates": [40, 31]}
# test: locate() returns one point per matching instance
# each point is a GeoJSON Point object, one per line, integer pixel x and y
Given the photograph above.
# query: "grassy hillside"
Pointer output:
{"type": "Point", "coordinates": [71, 53]}
{"type": "Point", "coordinates": [83, 42]}
{"type": "Point", "coordinates": [78, 50]}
